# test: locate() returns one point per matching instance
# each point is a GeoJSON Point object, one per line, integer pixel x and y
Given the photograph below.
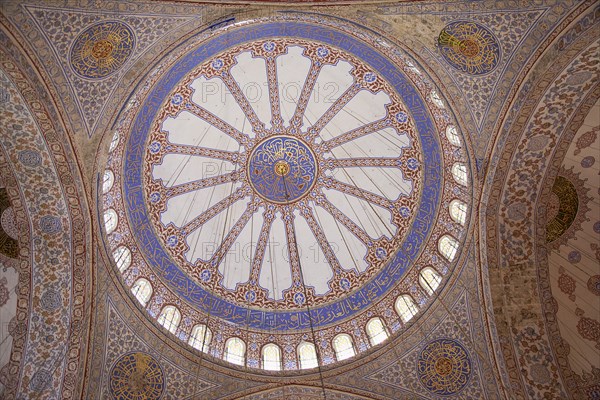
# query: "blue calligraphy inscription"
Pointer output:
{"type": "Point", "coordinates": [157, 256]}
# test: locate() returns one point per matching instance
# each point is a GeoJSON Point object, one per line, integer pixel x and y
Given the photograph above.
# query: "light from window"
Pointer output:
{"type": "Point", "coordinates": [435, 98]}
{"type": "Point", "coordinates": [429, 279]}
{"type": "Point", "coordinates": [448, 246]}
{"type": "Point", "coordinates": [459, 171]}
{"type": "Point", "coordinates": [342, 344]}
{"type": "Point", "coordinates": [122, 257]}
{"type": "Point", "coordinates": [452, 135]}
{"type": "Point", "coordinates": [406, 308]}
{"type": "Point", "coordinates": [110, 220]}
{"type": "Point", "coordinates": [142, 290]}
{"type": "Point", "coordinates": [271, 355]}
{"type": "Point", "coordinates": [412, 67]}
{"type": "Point", "coordinates": [376, 331]}
{"type": "Point", "coordinates": [307, 355]}
{"type": "Point", "coordinates": [200, 338]}
{"type": "Point", "coordinates": [458, 211]}
{"type": "Point", "coordinates": [169, 318]}
{"type": "Point", "coordinates": [107, 180]}
{"type": "Point", "coordinates": [235, 350]}
{"type": "Point", "coordinates": [114, 142]}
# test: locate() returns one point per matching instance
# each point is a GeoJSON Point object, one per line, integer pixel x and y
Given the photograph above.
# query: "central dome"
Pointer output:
{"type": "Point", "coordinates": [282, 170]}
{"type": "Point", "coordinates": [283, 177]}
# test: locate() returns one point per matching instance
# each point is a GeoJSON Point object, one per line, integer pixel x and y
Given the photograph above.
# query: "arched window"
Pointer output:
{"type": "Point", "coordinates": [458, 211]}
{"type": "Point", "coordinates": [448, 246]}
{"type": "Point", "coordinates": [122, 257]}
{"type": "Point", "coordinates": [200, 338]}
{"type": "Point", "coordinates": [110, 220]}
{"type": "Point", "coordinates": [142, 290]}
{"type": "Point", "coordinates": [342, 344]}
{"type": "Point", "coordinates": [271, 357]}
{"type": "Point", "coordinates": [235, 351]}
{"type": "Point", "coordinates": [169, 318]}
{"type": "Point", "coordinates": [114, 142]}
{"type": "Point", "coordinates": [107, 180]}
{"type": "Point", "coordinates": [429, 279]}
{"type": "Point", "coordinates": [435, 98]}
{"type": "Point", "coordinates": [406, 307]}
{"type": "Point", "coordinates": [459, 171]}
{"type": "Point", "coordinates": [452, 135]}
{"type": "Point", "coordinates": [376, 331]}
{"type": "Point", "coordinates": [412, 67]}
{"type": "Point", "coordinates": [307, 355]}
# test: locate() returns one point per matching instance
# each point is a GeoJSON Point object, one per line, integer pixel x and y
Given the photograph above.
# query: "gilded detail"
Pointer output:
{"type": "Point", "coordinates": [567, 209]}
{"type": "Point", "coordinates": [136, 376]}
{"type": "Point", "coordinates": [444, 367]}
{"type": "Point", "coordinates": [469, 47]}
{"type": "Point", "coordinates": [282, 169]}
{"type": "Point", "coordinates": [8, 245]}
{"type": "Point", "coordinates": [102, 49]}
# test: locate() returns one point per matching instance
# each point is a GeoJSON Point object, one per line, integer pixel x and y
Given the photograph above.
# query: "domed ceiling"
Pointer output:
{"type": "Point", "coordinates": [375, 200]}
{"type": "Point", "coordinates": [282, 181]}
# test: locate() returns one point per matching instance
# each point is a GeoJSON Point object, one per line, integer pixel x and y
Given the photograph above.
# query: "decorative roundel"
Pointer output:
{"type": "Point", "coordinates": [284, 165]}
{"type": "Point", "coordinates": [136, 376]}
{"type": "Point", "coordinates": [8, 223]}
{"type": "Point", "coordinates": [102, 49]}
{"type": "Point", "coordinates": [9, 245]}
{"type": "Point", "coordinates": [282, 169]}
{"type": "Point", "coordinates": [444, 367]}
{"type": "Point", "coordinates": [30, 158]}
{"type": "Point", "coordinates": [469, 47]}
{"type": "Point", "coordinates": [593, 284]}
{"type": "Point", "coordinates": [565, 201]}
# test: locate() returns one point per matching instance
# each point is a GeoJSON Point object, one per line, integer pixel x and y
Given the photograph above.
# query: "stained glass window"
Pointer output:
{"type": "Point", "coordinates": [342, 344]}
{"type": "Point", "coordinates": [452, 135]}
{"type": "Point", "coordinates": [122, 257]}
{"type": "Point", "coordinates": [271, 356]}
{"type": "Point", "coordinates": [307, 355]}
{"type": "Point", "coordinates": [114, 142]}
{"type": "Point", "coordinates": [448, 246]}
{"type": "Point", "coordinates": [200, 338]}
{"type": "Point", "coordinates": [429, 279]}
{"type": "Point", "coordinates": [110, 220]}
{"type": "Point", "coordinates": [435, 98]}
{"type": "Point", "coordinates": [376, 331]}
{"type": "Point", "coordinates": [142, 290]}
{"type": "Point", "coordinates": [458, 211]}
{"type": "Point", "coordinates": [235, 351]}
{"type": "Point", "coordinates": [169, 318]}
{"type": "Point", "coordinates": [406, 307]}
{"type": "Point", "coordinates": [459, 172]}
{"type": "Point", "coordinates": [107, 180]}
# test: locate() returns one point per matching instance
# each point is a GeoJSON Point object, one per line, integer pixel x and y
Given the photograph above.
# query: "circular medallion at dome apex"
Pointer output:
{"type": "Point", "coordinates": [204, 203]}
{"type": "Point", "coordinates": [101, 49]}
{"type": "Point", "coordinates": [282, 169]}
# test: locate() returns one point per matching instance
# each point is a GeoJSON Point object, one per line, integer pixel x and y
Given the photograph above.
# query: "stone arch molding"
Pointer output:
{"type": "Point", "coordinates": [54, 282]}
{"type": "Point", "coordinates": [549, 112]}
{"type": "Point", "coordinates": [304, 392]}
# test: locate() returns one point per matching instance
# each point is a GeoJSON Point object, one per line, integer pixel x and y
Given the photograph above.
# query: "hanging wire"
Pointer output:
{"type": "Point", "coordinates": [312, 328]}
{"type": "Point", "coordinates": [87, 311]}
{"type": "Point", "coordinates": [209, 314]}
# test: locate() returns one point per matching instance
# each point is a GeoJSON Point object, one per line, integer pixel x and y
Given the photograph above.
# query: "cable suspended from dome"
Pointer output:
{"type": "Point", "coordinates": [310, 321]}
